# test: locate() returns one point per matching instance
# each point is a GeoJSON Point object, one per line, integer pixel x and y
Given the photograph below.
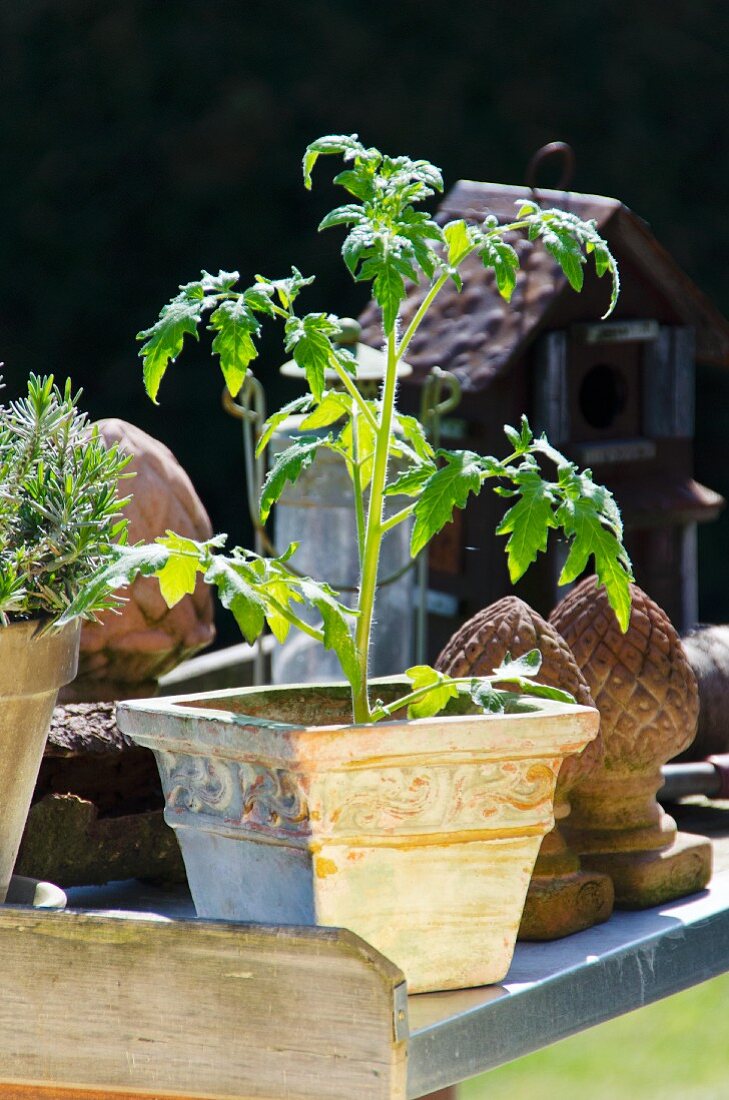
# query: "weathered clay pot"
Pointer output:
{"type": "Point", "coordinates": [420, 836]}
{"type": "Point", "coordinates": [32, 669]}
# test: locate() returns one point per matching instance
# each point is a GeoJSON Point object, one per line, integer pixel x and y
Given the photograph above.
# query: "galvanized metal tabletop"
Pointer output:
{"type": "Point", "coordinates": [552, 990]}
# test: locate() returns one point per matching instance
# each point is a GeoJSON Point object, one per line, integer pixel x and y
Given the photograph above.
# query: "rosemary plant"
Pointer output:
{"type": "Point", "coordinates": [60, 516]}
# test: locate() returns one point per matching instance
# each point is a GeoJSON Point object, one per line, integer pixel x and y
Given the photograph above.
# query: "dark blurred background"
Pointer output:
{"type": "Point", "coordinates": [143, 140]}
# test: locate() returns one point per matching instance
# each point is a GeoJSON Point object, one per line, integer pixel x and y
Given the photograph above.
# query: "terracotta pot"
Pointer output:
{"type": "Point", "coordinates": [33, 668]}
{"type": "Point", "coordinates": [420, 836]}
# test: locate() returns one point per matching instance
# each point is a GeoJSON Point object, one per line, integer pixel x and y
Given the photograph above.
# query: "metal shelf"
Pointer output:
{"type": "Point", "coordinates": [313, 997]}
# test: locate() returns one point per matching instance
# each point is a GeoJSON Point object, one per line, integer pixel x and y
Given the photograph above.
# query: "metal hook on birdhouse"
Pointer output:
{"type": "Point", "coordinates": [553, 148]}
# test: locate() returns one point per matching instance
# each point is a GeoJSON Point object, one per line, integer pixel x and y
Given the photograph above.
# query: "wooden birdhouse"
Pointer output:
{"type": "Point", "coordinates": [616, 396]}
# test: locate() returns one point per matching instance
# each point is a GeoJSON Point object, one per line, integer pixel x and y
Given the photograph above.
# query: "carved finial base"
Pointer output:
{"type": "Point", "coordinates": [644, 879]}
{"type": "Point", "coordinates": [557, 907]}
{"type": "Point", "coordinates": [563, 897]}
{"type": "Point", "coordinates": [620, 829]}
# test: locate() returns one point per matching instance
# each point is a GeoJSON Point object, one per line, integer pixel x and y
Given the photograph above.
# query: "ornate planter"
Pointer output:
{"type": "Point", "coordinates": [32, 669]}
{"type": "Point", "coordinates": [420, 836]}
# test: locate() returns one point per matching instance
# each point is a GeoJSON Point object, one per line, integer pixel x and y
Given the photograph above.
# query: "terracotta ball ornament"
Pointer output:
{"type": "Point", "coordinates": [647, 696]}
{"type": "Point", "coordinates": [562, 898]}
{"type": "Point", "coordinates": [126, 652]}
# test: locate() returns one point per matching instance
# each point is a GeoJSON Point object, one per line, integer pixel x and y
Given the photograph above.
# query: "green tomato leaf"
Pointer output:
{"type": "Point", "coordinates": [589, 522]}
{"type": "Point", "coordinates": [542, 691]}
{"type": "Point", "coordinates": [528, 664]}
{"type": "Point", "coordinates": [332, 407]}
{"type": "Point", "coordinates": [221, 283]}
{"type": "Point", "coordinates": [346, 144]}
{"type": "Point", "coordinates": [287, 290]}
{"type": "Point", "coordinates": [234, 324]}
{"type": "Point", "coordinates": [233, 582]}
{"type": "Point", "coordinates": [488, 698]}
{"type": "Point", "coordinates": [496, 253]}
{"type": "Point", "coordinates": [441, 689]}
{"type": "Point", "coordinates": [336, 620]}
{"type": "Point", "coordinates": [458, 239]}
{"type": "Point", "coordinates": [128, 563]}
{"type": "Point", "coordinates": [288, 465]}
{"type": "Point", "coordinates": [178, 576]}
{"type": "Point", "coordinates": [446, 489]}
{"type": "Point", "coordinates": [164, 340]}
{"type": "Point", "coordinates": [411, 481]}
{"type": "Point", "coordinates": [299, 404]}
{"type": "Point", "coordinates": [388, 290]}
{"type": "Point", "coordinates": [528, 521]}
{"type": "Point", "coordinates": [343, 215]}
{"type": "Point", "coordinates": [414, 432]}
{"type": "Point", "coordinates": [278, 593]}
{"type": "Point", "coordinates": [309, 340]}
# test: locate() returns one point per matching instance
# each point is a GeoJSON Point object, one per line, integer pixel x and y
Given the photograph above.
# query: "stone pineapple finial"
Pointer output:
{"type": "Point", "coordinates": [646, 693]}
{"type": "Point", "coordinates": [562, 897]}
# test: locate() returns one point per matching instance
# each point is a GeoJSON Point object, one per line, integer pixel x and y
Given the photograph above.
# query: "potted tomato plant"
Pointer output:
{"type": "Point", "coordinates": [412, 810]}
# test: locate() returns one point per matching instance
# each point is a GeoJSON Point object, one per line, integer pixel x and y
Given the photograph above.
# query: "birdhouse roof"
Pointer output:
{"type": "Point", "coordinates": [479, 336]}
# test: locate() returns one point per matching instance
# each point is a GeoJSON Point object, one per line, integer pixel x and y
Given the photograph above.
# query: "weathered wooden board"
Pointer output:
{"type": "Point", "coordinates": [96, 1005]}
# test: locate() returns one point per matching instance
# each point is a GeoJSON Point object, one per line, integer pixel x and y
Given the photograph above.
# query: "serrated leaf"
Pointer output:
{"type": "Point", "coordinates": [287, 289]}
{"type": "Point", "coordinates": [357, 182]}
{"type": "Point", "coordinates": [414, 432]}
{"type": "Point", "coordinates": [164, 340]}
{"type": "Point", "coordinates": [459, 241]}
{"type": "Point", "coordinates": [497, 254]}
{"type": "Point", "coordinates": [528, 664]}
{"type": "Point", "coordinates": [388, 290]}
{"type": "Point", "coordinates": [347, 144]}
{"type": "Point", "coordinates": [287, 467]}
{"type": "Point", "coordinates": [358, 245]}
{"type": "Point", "coordinates": [218, 284]}
{"type": "Point", "coordinates": [527, 522]}
{"type": "Point", "coordinates": [522, 439]}
{"type": "Point", "coordinates": [276, 419]}
{"type": "Point", "coordinates": [309, 340]}
{"type": "Point", "coordinates": [279, 624]}
{"type": "Point", "coordinates": [333, 406]}
{"type": "Point", "coordinates": [234, 324]}
{"type": "Point", "coordinates": [489, 698]}
{"type": "Point", "coordinates": [411, 481]}
{"type": "Point", "coordinates": [258, 297]}
{"type": "Point", "coordinates": [446, 489]}
{"type": "Point", "coordinates": [238, 595]}
{"type": "Point", "coordinates": [441, 690]}
{"type": "Point", "coordinates": [583, 523]}
{"type": "Point", "coordinates": [178, 576]}
{"type": "Point", "coordinates": [128, 562]}
{"type": "Point", "coordinates": [541, 445]}
{"type": "Point", "coordinates": [335, 622]}
{"type": "Point", "coordinates": [343, 215]}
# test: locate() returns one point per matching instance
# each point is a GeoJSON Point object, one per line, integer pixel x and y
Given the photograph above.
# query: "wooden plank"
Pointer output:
{"type": "Point", "coordinates": [157, 1007]}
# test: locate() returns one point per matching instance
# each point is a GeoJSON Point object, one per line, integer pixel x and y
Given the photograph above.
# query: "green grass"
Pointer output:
{"type": "Point", "coordinates": [675, 1049]}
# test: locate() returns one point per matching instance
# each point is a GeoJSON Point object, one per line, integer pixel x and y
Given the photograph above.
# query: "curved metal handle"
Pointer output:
{"type": "Point", "coordinates": [553, 148]}
{"type": "Point", "coordinates": [441, 394]}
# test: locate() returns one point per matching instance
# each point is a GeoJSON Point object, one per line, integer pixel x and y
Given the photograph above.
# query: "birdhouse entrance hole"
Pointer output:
{"type": "Point", "coordinates": [603, 395]}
